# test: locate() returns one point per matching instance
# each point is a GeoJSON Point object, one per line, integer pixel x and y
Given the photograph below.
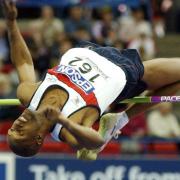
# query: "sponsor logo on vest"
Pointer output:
{"type": "Point", "coordinates": [76, 78]}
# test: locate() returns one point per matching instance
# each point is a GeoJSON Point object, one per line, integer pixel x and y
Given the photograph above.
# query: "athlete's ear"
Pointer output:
{"type": "Point", "coordinates": [39, 139]}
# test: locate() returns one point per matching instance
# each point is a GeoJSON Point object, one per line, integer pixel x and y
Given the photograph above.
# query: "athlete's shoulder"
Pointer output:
{"type": "Point", "coordinates": [25, 91]}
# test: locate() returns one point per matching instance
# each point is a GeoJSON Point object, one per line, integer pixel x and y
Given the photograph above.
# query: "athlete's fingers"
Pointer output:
{"type": "Point", "coordinates": [6, 4]}
{"type": "Point", "coordinates": [22, 119]}
{"type": "Point", "coordinates": [11, 4]}
{"type": "Point", "coordinates": [9, 9]}
{"type": "Point", "coordinates": [18, 124]}
{"type": "Point", "coordinates": [51, 113]}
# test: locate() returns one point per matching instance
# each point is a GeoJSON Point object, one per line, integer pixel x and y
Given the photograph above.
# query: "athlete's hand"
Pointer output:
{"type": "Point", "coordinates": [54, 115]}
{"type": "Point", "coordinates": [9, 9]}
{"type": "Point", "coordinates": [51, 113]}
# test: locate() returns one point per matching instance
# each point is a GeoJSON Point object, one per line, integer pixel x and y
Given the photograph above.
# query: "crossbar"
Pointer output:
{"type": "Point", "coordinates": [9, 102]}
{"type": "Point", "coordinates": [152, 99]}
{"type": "Point", "coordinates": [140, 99]}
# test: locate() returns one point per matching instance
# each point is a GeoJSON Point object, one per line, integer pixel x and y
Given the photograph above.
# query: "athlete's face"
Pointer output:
{"type": "Point", "coordinates": [25, 126]}
{"type": "Point", "coordinates": [27, 131]}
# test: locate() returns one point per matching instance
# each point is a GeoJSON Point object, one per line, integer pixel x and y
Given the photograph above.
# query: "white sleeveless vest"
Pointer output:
{"type": "Point", "coordinates": [88, 78]}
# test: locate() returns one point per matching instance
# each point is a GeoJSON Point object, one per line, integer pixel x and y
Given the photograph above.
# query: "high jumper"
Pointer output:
{"type": "Point", "coordinates": [75, 94]}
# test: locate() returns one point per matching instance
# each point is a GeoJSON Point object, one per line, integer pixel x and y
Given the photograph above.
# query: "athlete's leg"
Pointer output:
{"type": "Point", "coordinates": [109, 120]}
{"type": "Point", "coordinates": [161, 72]}
{"type": "Point", "coordinates": [164, 91]}
{"type": "Point", "coordinates": [161, 75]}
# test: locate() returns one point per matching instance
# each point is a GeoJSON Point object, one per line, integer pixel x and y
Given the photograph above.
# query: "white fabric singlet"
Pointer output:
{"type": "Point", "coordinates": [87, 77]}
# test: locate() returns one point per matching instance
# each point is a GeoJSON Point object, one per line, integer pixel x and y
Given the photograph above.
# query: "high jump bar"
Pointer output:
{"type": "Point", "coordinates": [139, 99]}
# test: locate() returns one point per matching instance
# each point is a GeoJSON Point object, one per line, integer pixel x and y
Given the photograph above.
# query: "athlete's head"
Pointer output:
{"type": "Point", "coordinates": [27, 133]}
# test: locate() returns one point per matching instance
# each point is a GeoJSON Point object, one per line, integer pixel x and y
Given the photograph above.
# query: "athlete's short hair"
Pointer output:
{"type": "Point", "coordinates": [23, 148]}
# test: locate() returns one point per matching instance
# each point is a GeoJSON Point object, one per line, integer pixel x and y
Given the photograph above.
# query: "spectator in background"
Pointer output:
{"type": "Point", "coordinates": [4, 49]}
{"type": "Point", "coordinates": [118, 44]}
{"type": "Point", "coordinates": [126, 27]}
{"type": "Point", "coordinates": [82, 34]}
{"type": "Point", "coordinates": [42, 36]}
{"type": "Point", "coordinates": [40, 53]}
{"type": "Point", "coordinates": [132, 24]}
{"type": "Point", "coordinates": [162, 122]}
{"type": "Point", "coordinates": [6, 91]}
{"type": "Point", "coordinates": [142, 40]}
{"type": "Point", "coordinates": [76, 21]}
{"type": "Point", "coordinates": [49, 26]}
{"type": "Point", "coordinates": [135, 129]}
{"type": "Point", "coordinates": [144, 43]}
{"type": "Point", "coordinates": [59, 48]}
{"type": "Point", "coordinates": [5, 86]}
{"type": "Point", "coordinates": [65, 45]}
{"type": "Point", "coordinates": [104, 31]}
{"type": "Point", "coordinates": [141, 23]}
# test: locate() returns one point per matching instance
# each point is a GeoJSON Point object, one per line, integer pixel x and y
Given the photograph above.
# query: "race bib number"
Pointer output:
{"type": "Point", "coordinates": [83, 72]}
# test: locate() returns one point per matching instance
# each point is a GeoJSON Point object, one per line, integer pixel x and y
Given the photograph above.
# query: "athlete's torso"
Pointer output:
{"type": "Point", "coordinates": [89, 79]}
{"type": "Point", "coordinates": [96, 80]}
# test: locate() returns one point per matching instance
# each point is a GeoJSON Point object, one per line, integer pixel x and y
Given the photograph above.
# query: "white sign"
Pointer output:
{"type": "Point", "coordinates": [9, 160]}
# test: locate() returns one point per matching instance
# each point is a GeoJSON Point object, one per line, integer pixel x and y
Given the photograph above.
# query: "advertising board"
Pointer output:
{"type": "Point", "coordinates": [7, 166]}
{"type": "Point", "coordinates": [56, 168]}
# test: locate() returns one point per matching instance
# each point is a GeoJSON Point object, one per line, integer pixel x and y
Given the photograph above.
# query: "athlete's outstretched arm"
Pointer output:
{"type": "Point", "coordinates": [20, 54]}
{"type": "Point", "coordinates": [85, 136]}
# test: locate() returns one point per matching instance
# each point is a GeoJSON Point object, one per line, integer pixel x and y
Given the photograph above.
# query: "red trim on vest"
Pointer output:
{"type": "Point", "coordinates": [90, 99]}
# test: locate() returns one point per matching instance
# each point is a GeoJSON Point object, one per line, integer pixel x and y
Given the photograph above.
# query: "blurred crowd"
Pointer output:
{"type": "Point", "coordinates": [49, 37]}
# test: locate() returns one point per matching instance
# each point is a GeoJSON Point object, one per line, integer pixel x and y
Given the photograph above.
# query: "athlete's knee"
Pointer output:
{"type": "Point", "coordinates": [79, 145]}
{"type": "Point", "coordinates": [75, 144]}
{"type": "Point", "coordinates": [95, 145]}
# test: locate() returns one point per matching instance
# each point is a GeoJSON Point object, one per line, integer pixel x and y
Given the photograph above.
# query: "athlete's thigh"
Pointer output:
{"type": "Point", "coordinates": [161, 72]}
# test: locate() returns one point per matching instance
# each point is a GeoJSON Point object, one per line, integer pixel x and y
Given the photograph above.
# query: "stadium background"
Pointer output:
{"type": "Point", "coordinates": [50, 28]}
